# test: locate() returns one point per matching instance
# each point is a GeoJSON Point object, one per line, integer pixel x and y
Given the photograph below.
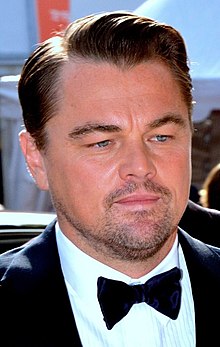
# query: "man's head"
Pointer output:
{"type": "Point", "coordinates": [122, 39]}
{"type": "Point", "coordinates": [108, 118]}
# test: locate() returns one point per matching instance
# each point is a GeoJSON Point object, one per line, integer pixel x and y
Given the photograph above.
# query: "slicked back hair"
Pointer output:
{"type": "Point", "coordinates": [120, 38]}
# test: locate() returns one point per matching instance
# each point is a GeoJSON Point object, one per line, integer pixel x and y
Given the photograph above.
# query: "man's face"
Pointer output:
{"type": "Point", "coordinates": [118, 158]}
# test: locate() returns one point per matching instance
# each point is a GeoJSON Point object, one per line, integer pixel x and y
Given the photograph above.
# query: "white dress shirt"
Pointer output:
{"type": "Point", "coordinates": [143, 326]}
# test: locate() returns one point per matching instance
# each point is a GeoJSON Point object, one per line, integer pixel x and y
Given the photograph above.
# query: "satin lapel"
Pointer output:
{"type": "Point", "coordinates": [204, 270]}
{"type": "Point", "coordinates": [59, 306]}
{"type": "Point", "coordinates": [40, 306]}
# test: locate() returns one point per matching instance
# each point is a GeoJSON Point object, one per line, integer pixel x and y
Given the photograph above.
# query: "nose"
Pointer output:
{"type": "Point", "coordinates": [137, 162]}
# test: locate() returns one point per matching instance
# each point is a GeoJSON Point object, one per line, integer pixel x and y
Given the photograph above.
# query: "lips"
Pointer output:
{"type": "Point", "coordinates": [138, 199]}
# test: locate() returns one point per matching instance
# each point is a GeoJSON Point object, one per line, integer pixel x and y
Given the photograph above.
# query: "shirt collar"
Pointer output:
{"type": "Point", "coordinates": [74, 262]}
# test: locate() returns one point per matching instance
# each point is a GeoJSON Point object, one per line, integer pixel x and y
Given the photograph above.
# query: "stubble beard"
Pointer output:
{"type": "Point", "coordinates": [131, 236]}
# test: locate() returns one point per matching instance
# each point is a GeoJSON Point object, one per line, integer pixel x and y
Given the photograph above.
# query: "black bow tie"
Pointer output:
{"type": "Point", "coordinates": [162, 292]}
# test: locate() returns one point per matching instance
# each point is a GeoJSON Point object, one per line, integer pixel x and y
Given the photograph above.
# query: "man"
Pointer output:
{"type": "Point", "coordinates": [107, 110]}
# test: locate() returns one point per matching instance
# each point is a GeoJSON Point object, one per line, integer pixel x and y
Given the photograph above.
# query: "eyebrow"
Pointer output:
{"type": "Point", "coordinates": [89, 128]}
{"type": "Point", "coordinates": [169, 118]}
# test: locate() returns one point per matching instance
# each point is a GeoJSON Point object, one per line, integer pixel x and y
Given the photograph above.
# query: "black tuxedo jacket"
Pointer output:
{"type": "Point", "coordinates": [34, 306]}
{"type": "Point", "coordinates": [202, 223]}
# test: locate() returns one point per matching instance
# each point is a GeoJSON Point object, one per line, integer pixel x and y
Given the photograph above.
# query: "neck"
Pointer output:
{"type": "Point", "coordinates": [131, 267]}
{"type": "Point", "coordinates": [136, 269]}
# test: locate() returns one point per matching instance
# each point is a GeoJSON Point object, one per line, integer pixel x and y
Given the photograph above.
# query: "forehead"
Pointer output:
{"type": "Point", "coordinates": [88, 88]}
{"type": "Point", "coordinates": [90, 74]}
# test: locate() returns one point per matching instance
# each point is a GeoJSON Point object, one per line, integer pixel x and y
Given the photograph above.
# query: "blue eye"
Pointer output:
{"type": "Point", "coordinates": [102, 144]}
{"type": "Point", "coordinates": [161, 138]}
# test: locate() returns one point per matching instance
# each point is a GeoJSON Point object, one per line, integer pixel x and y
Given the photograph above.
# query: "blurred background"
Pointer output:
{"type": "Point", "coordinates": [25, 23]}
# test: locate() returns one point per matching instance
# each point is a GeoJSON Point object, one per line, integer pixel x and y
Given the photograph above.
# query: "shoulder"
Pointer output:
{"type": "Point", "coordinates": [207, 214]}
{"type": "Point", "coordinates": [199, 252]}
{"type": "Point", "coordinates": [202, 223]}
{"type": "Point", "coordinates": [31, 258]}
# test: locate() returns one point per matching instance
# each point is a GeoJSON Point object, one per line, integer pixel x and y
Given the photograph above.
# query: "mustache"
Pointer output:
{"type": "Point", "coordinates": [131, 187]}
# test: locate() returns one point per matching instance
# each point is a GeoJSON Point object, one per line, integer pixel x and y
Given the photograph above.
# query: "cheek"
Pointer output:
{"type": "Point", "coordinates": [100, 172]}
{"type": "Point", "coordinates": [83, 181]}
{"type": "Point", "coordinates": [175, 171]}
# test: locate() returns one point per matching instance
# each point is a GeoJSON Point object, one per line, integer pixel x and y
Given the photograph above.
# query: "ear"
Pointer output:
{"type": "Point", "coordinates": [33, 159]}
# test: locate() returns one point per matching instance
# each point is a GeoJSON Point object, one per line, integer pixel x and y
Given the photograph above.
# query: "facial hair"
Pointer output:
{"type": "Point", "coordinates": [136, 235]}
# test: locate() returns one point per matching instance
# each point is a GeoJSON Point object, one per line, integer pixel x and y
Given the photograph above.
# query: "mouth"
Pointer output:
{"type": "Point", "coordinates": [139, 197]}
{"type": "Point", "coordinates": [139, 201]}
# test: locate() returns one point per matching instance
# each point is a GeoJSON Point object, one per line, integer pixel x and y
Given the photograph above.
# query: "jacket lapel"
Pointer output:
{"type": "Point", "coordinates": [37, 285]}
{"type": "Point", "coordinates": [203, 266]}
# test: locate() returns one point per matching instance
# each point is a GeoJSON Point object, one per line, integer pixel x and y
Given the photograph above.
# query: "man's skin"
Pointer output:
{"type": "Point", "coordinates": [117, 162]}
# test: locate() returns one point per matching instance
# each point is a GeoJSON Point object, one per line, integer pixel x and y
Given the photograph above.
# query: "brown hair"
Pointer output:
{"type": "Point", "coordinates": [120, 38]}
{"type": "Point", "coordinates": [210, 192]}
